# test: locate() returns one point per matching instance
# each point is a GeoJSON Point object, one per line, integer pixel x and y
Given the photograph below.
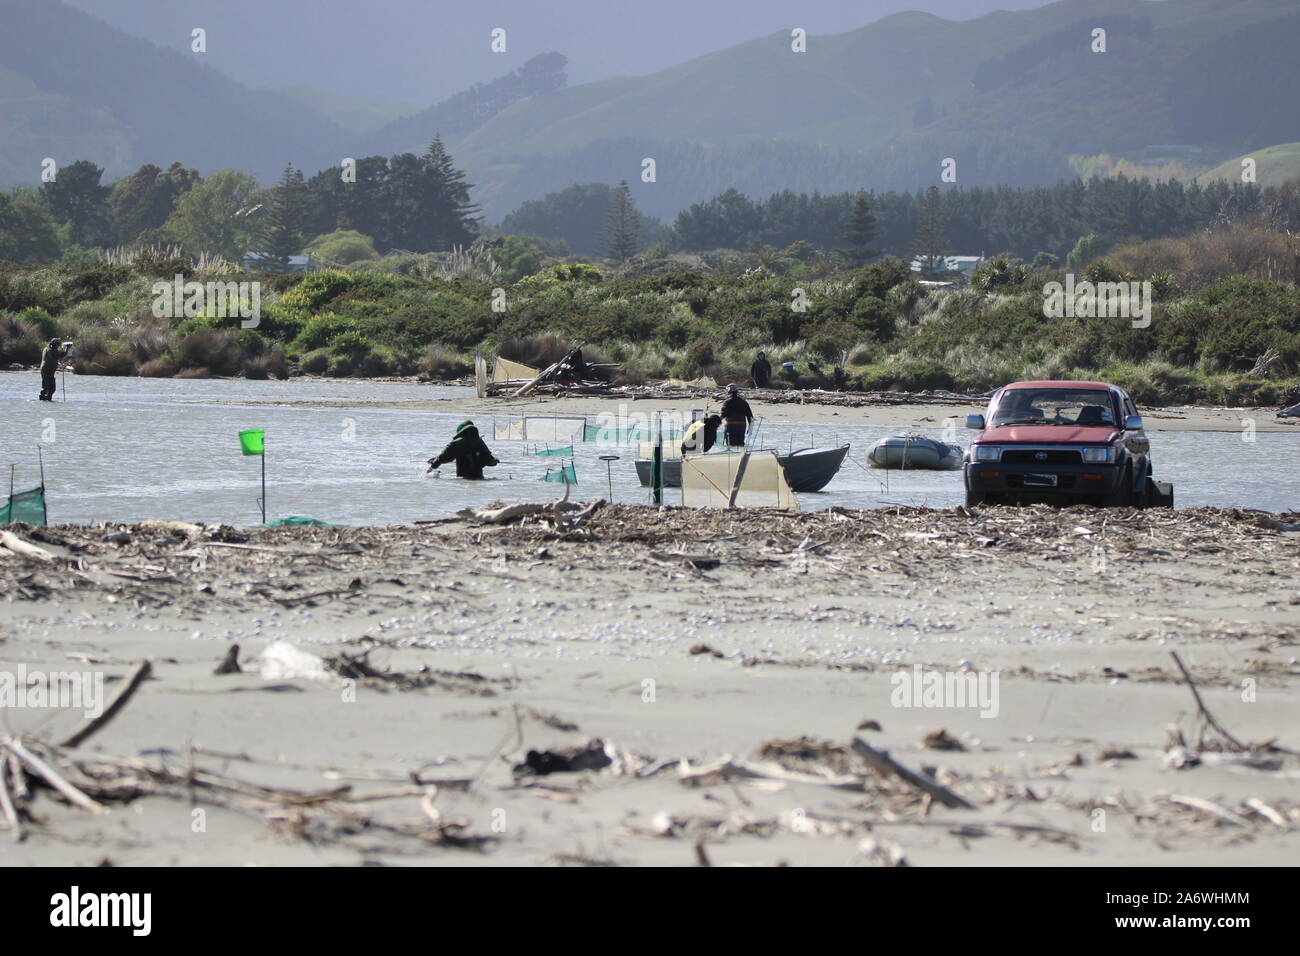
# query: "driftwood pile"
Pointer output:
{"type": "Point", "coordinates": [192, 567]}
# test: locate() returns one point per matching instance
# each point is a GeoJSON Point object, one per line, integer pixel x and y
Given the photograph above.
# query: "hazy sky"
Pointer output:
{"type": "Point", "coordinates": [424, 50]}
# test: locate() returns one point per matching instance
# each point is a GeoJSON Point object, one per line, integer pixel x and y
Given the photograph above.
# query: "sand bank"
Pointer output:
{"type": "Point", "coordinates": [772, 645]}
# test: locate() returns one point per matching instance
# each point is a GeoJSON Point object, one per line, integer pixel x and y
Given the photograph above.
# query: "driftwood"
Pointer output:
{"type": "Point", "coordinates": [881, 761]}
{"type": "Point", "coordinates": [1200, 705]}
{"type": "Point", "coordinates": [1268, 813]}
{"type": "Point", "coordinates": [51, 776]}
{"type": "Point", "coordinates": [541, 377]}
{"type": "Point", "coordinates": [11, 542]}
{"type": "Point", "coordinates": [555, 510]}
{"type": "Point", "coordinates": [727, 768]}
{"type": "Point", "coordinates": [510, 513]}
{"type": "Point", "coordinates": [7, 809]}
{"type": "Point", "coordinates": [121, 700]}
{"type": "Point", "coordinates": [184, 528]}
{"type": "Point", "coordinates": [1210, 807]}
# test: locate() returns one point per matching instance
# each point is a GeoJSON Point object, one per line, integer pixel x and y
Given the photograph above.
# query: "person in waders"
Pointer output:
{"type": "Point", "coordinates": [50, 356]}
{"type": "Point", "coordinates": [737, 416]}
{"type": "Point", "coordinates": [468, 450]}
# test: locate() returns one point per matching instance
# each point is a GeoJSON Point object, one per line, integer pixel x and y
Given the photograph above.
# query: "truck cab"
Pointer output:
{"type": "Point", "coordinates": [1061, 442]}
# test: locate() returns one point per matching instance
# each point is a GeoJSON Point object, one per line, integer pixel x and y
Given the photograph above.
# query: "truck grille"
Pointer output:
{"type": "Point", "coordinates": [1029, 456]}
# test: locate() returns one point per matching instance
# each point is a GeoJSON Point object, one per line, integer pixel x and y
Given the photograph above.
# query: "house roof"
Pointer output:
{"type": "Point", "coordinates": [293, 260]}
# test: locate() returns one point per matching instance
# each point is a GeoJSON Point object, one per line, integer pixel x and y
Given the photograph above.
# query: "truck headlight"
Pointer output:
{"type": "Point", "coordinates": [1099, 455]}
{"type": "Point", "coordinates": [988, 453]}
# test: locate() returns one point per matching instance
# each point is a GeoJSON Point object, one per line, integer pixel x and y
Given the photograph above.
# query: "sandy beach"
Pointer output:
{"type": "Point", "coordinates": [711, 671]}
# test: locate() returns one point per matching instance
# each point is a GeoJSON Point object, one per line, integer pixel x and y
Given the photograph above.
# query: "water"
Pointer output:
{"type": "Point", "coordinates": [125, 449]}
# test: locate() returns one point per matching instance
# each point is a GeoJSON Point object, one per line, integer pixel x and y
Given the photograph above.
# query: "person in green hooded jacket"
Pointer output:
{"type": "Point", "coordinates": [50, 358]}
{"type": "Point", "coordinates": [468, 450]}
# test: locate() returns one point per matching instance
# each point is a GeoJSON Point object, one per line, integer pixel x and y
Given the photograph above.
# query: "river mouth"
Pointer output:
{"type": "Point", "coordinates": [354, 452]}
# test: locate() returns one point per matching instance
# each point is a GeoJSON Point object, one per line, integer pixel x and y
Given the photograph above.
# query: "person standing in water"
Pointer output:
{"type": "Point", "coordinates": [737, 416]}
{"type": "Point", "coordinates": [468, 450]}
{"type": "Point", "coordinates": [50, 356]}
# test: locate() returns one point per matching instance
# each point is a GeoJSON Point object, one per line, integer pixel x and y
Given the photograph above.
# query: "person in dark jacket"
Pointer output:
{"type": "Point", "coordinates": [761, 371]}
{"type": "Point", "coordinates": [701, 435]}
{"type": "Point", "coordinates": [468, 450]}
{"type": "Point", "coordinates": [50, 356]}
{"type": "Point", "coordinates": [736, 416]}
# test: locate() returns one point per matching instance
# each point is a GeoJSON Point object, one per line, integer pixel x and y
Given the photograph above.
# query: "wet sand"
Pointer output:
{"type": "Point", "coordinates": [483, 642]}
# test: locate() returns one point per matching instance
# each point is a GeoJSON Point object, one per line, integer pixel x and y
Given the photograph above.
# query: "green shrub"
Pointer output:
{"type": "Point", "coordinates": [200, 323]}
{"type": "Point", "coordinates": [441, 363]}
{"type": "Point", "coordinates": [277, 321]}
{"type": "Point", "coordinates": [698, 358]}
{"type": "Point", "coordinates": [351, 343]}
{"type": "Point", "coordinates": [999, 275]}
{"type": "Point", "coordinates": [315, 363]}
{"type": "Point", "coordinates": [320, 330]}
{"type": "Point", "coordinates": [266, 365]}
{"type": "Point", "coordinates": [19, 344]}
{"type": "Point", "coordinates": [250, 342]}
{"type": "Point", "coordinates": [212, 349]}
{"type": "Point", "coordinates": [87, 313]}
{"type": "Point", "coordinates": [318, 288]}
{"type": "Point", "coordinates": [159, 368]}
{"type": "Point", "coordinates": [40, 322]}
{"type": "Point", "coordinates": [109, 363]}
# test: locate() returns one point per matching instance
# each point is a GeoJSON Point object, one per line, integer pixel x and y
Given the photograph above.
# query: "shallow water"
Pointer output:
{"type": "Point", "coordinates": [125, 449]}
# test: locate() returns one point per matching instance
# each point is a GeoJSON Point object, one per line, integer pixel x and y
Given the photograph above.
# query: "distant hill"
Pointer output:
{"type": "Point", "coordinates": [119, 102]}
{"type": "Point", "coordinates": [468, 110]}
{"type": "Point", "coordinates": [354, 113]}
{"type": "Point", "coordinates": [72, 87]}
{"type": "Point", "coordinates": [1010, 96]}
{"type": "Point", "coordinates": [1273, 166]}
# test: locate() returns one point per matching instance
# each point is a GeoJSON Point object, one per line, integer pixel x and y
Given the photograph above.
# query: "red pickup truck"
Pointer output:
{"type": "Point", "coordinates": [1063, 442]}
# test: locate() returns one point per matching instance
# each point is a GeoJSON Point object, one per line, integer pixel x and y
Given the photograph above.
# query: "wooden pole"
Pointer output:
{"type": "Point", "coordinates": [657, 466]}
{"type": "Point", "coordinates": [45, 511]}
{"type": "Point", "coordinates": [262, 501]}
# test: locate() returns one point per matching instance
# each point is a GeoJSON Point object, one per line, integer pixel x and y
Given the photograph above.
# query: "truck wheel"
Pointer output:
{"type": "Point", "coordinates": [1121, 497]}
{"type": "Point", "coordinates": [1142, 499]}
{"type": "Point", "coordinates": [976, 498]}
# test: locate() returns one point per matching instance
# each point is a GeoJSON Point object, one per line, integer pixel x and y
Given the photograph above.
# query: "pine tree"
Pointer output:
{"type": "Point", "coordinates": [931, 243]}
{"type": "Point", "coordinates": [861, 232]}
{"type": "Point", "coordinates": [623, 225]}
{"type": "Point", "coordinates": [281, 234]}
{"type": "Point", "coordinates": [454, 216]}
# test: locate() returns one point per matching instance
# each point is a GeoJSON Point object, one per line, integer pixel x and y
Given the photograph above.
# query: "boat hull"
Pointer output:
{"type": "Point", "coordinates": [905, 453]}
{"type": "Point", "coordinates": [806, 470]}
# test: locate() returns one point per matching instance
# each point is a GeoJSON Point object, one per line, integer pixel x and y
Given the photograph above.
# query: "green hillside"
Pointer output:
{"type": "Point", "coordinates": [1273, 166]}
{"type": "Point", "coordinates": [1009, 95]}
{"type": "Point", "coordinates": [353, 113]}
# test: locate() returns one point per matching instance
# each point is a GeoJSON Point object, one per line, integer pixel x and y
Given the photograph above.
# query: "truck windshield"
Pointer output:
{"type": "Point", "coordinates": [1054, 406]}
